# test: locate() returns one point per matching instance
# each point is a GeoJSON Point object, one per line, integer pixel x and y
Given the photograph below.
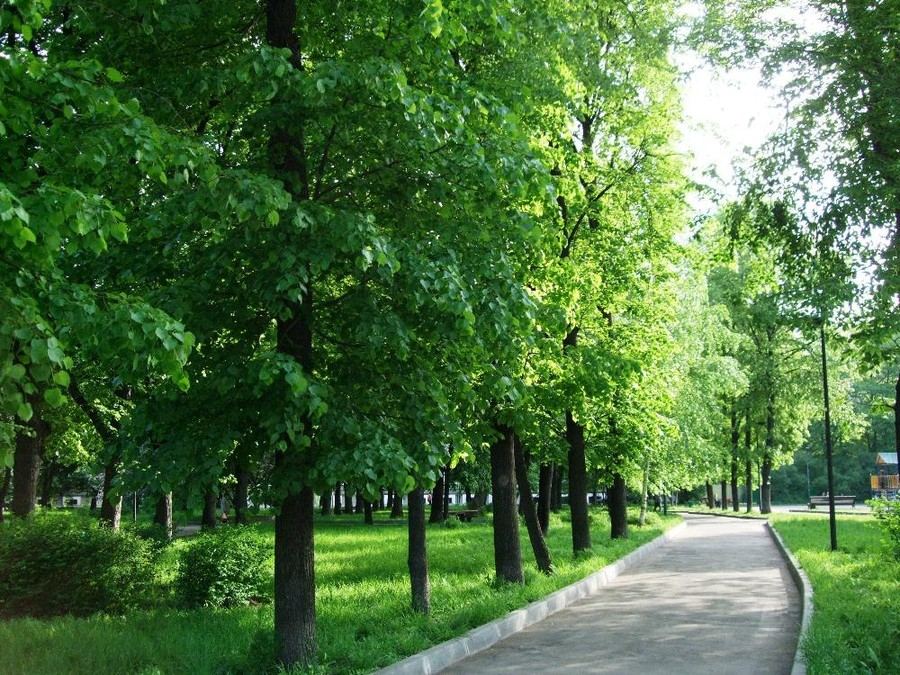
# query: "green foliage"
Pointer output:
{"type": "Point", "coordinates": [854, 626]}
{"type": "Point", "coordinates": [224, 568]}
{"type": "Point", "coordinates": [888, 515]}
{"type": "Point", "coordinates": [53, 564]}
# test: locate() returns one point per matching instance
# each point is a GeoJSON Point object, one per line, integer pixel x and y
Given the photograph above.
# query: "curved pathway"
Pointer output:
{"type": "Point", "coordinates": [718, 598]}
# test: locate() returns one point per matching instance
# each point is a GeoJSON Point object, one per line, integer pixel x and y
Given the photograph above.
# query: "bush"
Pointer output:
{"type": "Point", "coordinates": [52, 564]}
{"type": "Point", "coordinates": [223, 568]}
{"type": "Point", "coordinates": [888, 514]}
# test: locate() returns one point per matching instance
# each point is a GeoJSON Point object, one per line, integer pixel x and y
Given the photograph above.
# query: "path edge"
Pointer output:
{"type": "Point", "coordinates": [806, 597]}
{"type": "Point", "coordinates": [444, 655]}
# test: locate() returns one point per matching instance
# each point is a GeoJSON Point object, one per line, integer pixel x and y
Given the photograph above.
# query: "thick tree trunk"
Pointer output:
{"type": "Point", "coordinates": [397, 506]}
{"type": "Point", "coordinates": [4, 490]}
{"type": "Point", "coordinates": [556, 491]}
{"type": "Point", "coordinates": [417, 557]}
{"type": "Point", "coordinates": [325, 503]}
{"type": "Point", "coordinates": [27, 461]}
{"type": "Point", "coordinates": [618, 507]}
{"type": "Point", "coordinates": [526, 504]}
{"type": "Point", "coordinates": [436, 514]}
{"type": "Point", "coordinates": [295, 587]}
{"type": "Point", "coordinates": [710, 496]}
{"type": "Point", "coordinates": [208, 520]}
{"type": "Point", "coordinates": [578, 507]}
{"type": "Point", "coordinates": [241, 501]}
{"type": "Point", "coordinates": [545, 490]}
{"type": "Point", "coordinates": [358, 506]}
{"type": "Point", "coordinates": [163, 514]}
{"type": "Point", "coordinates": [111, 507]}
{"type": "Point", "coordinates": [507, 552]}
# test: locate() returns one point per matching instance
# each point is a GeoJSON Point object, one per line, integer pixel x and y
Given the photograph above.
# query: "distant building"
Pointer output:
{"type": "Point", "coordinates": [886, 481]}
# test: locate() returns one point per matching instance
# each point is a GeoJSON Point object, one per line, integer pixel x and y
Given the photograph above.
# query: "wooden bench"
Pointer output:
{"type": "Point", "coordinates": [467, 515]}
{"type": "Point", "coordinates": [839, 500]}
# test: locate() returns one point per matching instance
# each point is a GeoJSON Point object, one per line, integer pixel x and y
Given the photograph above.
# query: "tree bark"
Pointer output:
{"type": "Point", "coordinates": [578, 507]}
{"type": "Point", "coordinates": [507, 552]}
{"type": "Point", "coordinates": [338, 509]}
{"type": "Point", "coordinates": [367, 512]}
{"type": "Point", "coordinates": [325, 503]}
{"type": "Point", "coordinates": [710, 496]}
{"type": "Point", "coordinates": [27, 461]}
{"type": "Point", "coordinates": [556, 491]}
{"type": "Point", "coordinates": [436, 514]}
{"type": "Point", "coordinates": [735, 440]}
{"type": "Point", "coordinates": [545, 490]}
{"type": "Point", "coordinates": [295, 589]}
{"type": "Point", "coordinates": [417, 557]}
{"type": "Point", "coordinates": [208, 520]}
{"type": "Point", "coordinates": [765, 488]}
{"type": "Point", "coordinates": [111, 508]}
{"type": "Point", "coordinates": [163, 514]}
{"type": "Point", "coordinates": [397, 505]}
{"type": "Point", "coordinates": [618, 507]}
{"type": "Point", "coordinates": [645, 481]}
{"type": "Point", "coordinates": [526, 504]}
{"type": "Point", "coordinates": [724, 487]}
{"type": "Point", "coordinates": [358, 506]}
{"type": "Point", "coordinates": [748, 482]}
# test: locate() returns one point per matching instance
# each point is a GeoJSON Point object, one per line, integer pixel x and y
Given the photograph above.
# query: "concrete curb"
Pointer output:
{"type": "Point", "coordinates": [441, 656]}
{"type": "Point", "coordinates": [806, 598]}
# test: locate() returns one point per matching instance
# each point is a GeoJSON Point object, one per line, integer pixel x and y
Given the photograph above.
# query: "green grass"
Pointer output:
{"type": "Point", "coordinates": [856, 622]}
{"type": "Point", "coordinates": [363, 599]}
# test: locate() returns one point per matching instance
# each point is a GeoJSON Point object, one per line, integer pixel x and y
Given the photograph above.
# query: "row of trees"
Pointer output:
{"type": "Point", "coordinates": [363, 242]}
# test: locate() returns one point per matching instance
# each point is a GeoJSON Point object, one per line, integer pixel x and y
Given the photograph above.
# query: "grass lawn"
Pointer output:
{"type": "Point", "coordinates": [856, 623]}
{"type": "Point", "coordinates": [363, 598]}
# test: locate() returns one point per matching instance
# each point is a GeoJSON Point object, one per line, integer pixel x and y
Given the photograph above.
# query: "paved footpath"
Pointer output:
{"type": "Point", "coordinates": [718, 598]}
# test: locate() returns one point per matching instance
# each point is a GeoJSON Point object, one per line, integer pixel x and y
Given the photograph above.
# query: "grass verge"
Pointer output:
{"type": "Point", "coordinates": [364, 621]}
{"type": "Point", "coordinates": [856, 594]}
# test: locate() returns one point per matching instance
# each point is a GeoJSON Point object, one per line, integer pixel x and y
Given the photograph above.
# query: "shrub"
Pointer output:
{"type": "Point", "coordinates": [888, 515]}
{"type": "Point", "coordinates": [223, 568]}
{"type": "Point", "coordinates": [52, 564]}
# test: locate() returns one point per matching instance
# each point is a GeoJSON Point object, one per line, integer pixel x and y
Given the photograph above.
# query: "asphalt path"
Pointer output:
{"type": "Point", "coordinates": [718, 599]}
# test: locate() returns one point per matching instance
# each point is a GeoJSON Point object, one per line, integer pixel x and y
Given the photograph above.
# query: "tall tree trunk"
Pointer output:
{"type": "Point", "coordinates": [4, 490]}
{"type": "Point", "coordinates": [645, 482]}
{"type": "Point", "coordinates": [710, 496]}
{"type": "Point", "coordinates": [417, 558]}
{"type": "Point", "coordinates": [578, 507]}
{"type": "Point", "coordinates": [618, 507]}
{"type": "Point", "coordinates": [325, 503]}
{"type": "Point", "coordinates": [111, 507]}
{"type": "Point", "coordinates": [545, 490]}
{"type": "Point", "coordinates": [748, 483]}
{"type": "Point", "coordinates": [735, 440]}
{"type": "Point", "coordinates": [507, 552]}
{"type": "Point", "coordinates": [27, 461]}
{"type": "Point", "coordinates": [397, 505]}
{"type": "Point", "coordinates": [163, 514]}
{"type": "Point", "coordinates": [48, 473]}
{"type": "Point", "coordinates": [358, 506]}
{"type": "Point", "coordinates": [367, 512]}
{"type": "Point", "coordinates": [526, 503]}
{"type": "Point", "coordinates": [436, 514]}
{"type": "Point", "coordinates": [295, 588]}
{"type": "Point", "coordinates": [208, 521]}
{"type": "Point", "coordinates": [765, 487]}
{"type": "Point", "coordinates": [338, 509]}
{"type": "Point", "coordinates": [724, 487]}
{"type": "Point", "coordinates": [556, 492]}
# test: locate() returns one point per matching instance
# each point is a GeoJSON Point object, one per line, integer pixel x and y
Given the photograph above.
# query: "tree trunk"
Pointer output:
{"type": "Point", "coordinates": [556, 491]}
{"type": "Point", "coordinates": [618, 508]}
{"type": "Point", "coordinates": [111, 507]}
{"type": "Point", "coordinates": [27, 461]}
{"type": "Point", "coordinates": [338, 509]}
{"type": "Point", "coordinates": [48, 474]}
{"type": "Point", "coordinates": [367, 512]}
{"type": "Point", "coordinates": [724, 487]}
{"type": "Point", "coordinates": [209, 510]}
{"type": "Point", "coordinates": [526, 503]}
{"type": "Point", "coordinates": [748, 482]}
{"type": "Point", "coordinates": [397, 506]}
{"type": "Point", "coordinates": [710, 496]}
{"type": "Point", "coordinates": [163, 514]}
{"type": "Point", "coordinates": [358, 506]}
{"type": "Point", "coordinates": [644, 486]}
{"type": "Point", "coordinates": [437, 500]}
{"type": "Point", "coordinates": [417, 558]}
{"type": "Point", "coordinates": [735, 440]}
{"type": "Point", "coordinates": [295, 586]}
{"type": "Point", "coordinates": [507, 552]}
{"type": "Point", "coordinates": [4, 490]}
{"type": "Point", "coordinates": [578, 507]}
{"type": "Point", "coordinates": [241, 502]}
{"type": "Point", "coordinates": [897, 409]}
{"type": "Point", "coordinates": [545, 490]}
{"type": "Point", "coordinates": [765, 488]}
{"type": "Point", "coordinates": [445, 507]}
{"type": "Point", "coordinates": [325, 503]}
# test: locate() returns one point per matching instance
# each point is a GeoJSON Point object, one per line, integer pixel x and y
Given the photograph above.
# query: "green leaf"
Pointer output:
{"type": "Point", "coordinates": [54, 397]}
{"type": "Point", "coordinates": [114, 75]}
{"type": "Point", "coordinates": [25, 412]}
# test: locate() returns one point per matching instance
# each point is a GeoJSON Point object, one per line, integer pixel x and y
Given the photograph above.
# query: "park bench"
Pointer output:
{"type": "Point", "coordinates": [467, 515]}
{"type": "Point", "coordinates": [839, 500]}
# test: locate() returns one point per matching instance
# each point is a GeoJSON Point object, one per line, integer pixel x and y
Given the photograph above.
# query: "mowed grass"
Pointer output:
{"type": "Point", "coordinates": [363, 598]}
{"type": "Point", "coordinates": [856, 594]}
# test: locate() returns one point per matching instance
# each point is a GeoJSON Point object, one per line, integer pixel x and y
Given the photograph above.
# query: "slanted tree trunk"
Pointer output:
{"type": "Point", "coordinates": [295, 589]}
{"type": "Point", "coordinates": [545, 490]}
{"type": "Point", "coordinates": [507, 552]}
{"type": "Point", "coordinates": [208, 521]}
{"type": "Point", "coordinates": [27, 461]}
{"type": "Point", "coordinates": [618, 507]}
{"type": "Point", "coordinates": [163, 514]}
{"type": "Point", "coordinates": [437, 501]}
{"type": "Point", "coordinates": [4, 490]}
{"type": "Point", "coordinates": [526, 503]}
{"type": "Point", "coordinates": [111, 507]}
{"type": "Point", "coordinates": [417, 557]}
{"type": "Point", "coordinates": [578, 507]}
{"type": "Point", "coordinates": [325, 503]}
